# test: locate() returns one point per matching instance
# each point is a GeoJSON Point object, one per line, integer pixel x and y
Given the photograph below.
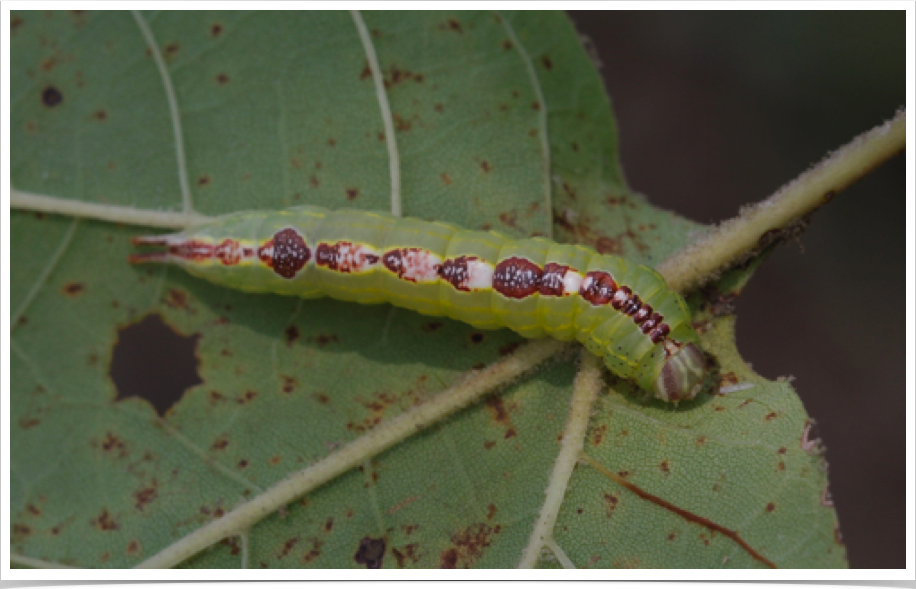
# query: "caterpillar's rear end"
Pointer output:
{"type": "Point", "coordinates": [620, 311]}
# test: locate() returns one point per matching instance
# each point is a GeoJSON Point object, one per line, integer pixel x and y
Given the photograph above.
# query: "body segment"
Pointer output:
{"type": "Point", "coordinates": [618, 310]}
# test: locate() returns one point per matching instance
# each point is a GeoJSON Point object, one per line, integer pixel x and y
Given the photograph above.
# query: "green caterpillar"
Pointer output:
{"type": "Point", "coordinates": [536, 287]}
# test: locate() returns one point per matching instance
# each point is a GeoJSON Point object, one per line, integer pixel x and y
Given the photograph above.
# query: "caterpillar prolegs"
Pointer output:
{"type": "Point", "coordinates": [536, 287]}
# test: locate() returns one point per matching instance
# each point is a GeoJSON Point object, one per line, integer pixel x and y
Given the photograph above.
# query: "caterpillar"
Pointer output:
{"type": "Point", "coordinates": [618, 310]}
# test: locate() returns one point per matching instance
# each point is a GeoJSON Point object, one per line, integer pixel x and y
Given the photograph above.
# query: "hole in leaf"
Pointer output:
{"type": "Point", "coordinates": [152, 361]}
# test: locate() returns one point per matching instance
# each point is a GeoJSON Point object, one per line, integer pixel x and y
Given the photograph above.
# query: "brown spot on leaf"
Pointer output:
{"type": "Point", "coordinates": [508, 218]}
{"type": "Point", "coordinates": [352, 193]}
{"type": "Point", "coordinates": [329, 524]}
{"type": "Point", "coordinates": [432, 326]}
{"type": "Point", "coordinates": [489, 444]}
{"type": "Point", "coordinates": [507, 45]}
{"type": "Point", "coordinates": [287, 547]}
{"type": "Point", "coordinates": [322, 398]}
{"type": "Point", "coordinates": [770, 416]}
{"type": "Point", "coordinates": [323, 339]}
{"type": "Point", "coordinates": [771, 507]}
{"type": "Point", "coordinates": [203, 180]}
{"type": "Point", "coordinates": [548, 64]}
{"type": "Point", "coordinates": [485, 166]}
{"type": "Point", "coordinates": [292, 334]}
{"type": "Point", "coordinates": [454, 25]}
{"type": "Point", "coordinates": [366, 72]}
{"type": "Point", "coordinates": [275, 460]}
{"type": "Point", "coordinates": [112, 443]}
{"type": "Point", "coordinates": [243, 463]}
{"type": "Point", "coordinates": [611, 502]}
{"type": "Point", "coordinates": [498, 411]}
{"type": "Point", "coordinates": [445, 179]}
{"type": "Point", "coordinates": [665, 466]}
{"type": "Point", "coordinates": [406, 555]}
{"type": "Point", "coordinates": [606, 245]}
{"type": "Point", "coordinates": [438, 107]}
{"type": "Point", "coordinates": [100, 115]}
{"type": "Point", "coordinates": [476, 337]}
{"type": "Point", "coordinates": [133, 548]}
{"type": "Point", "coordinates": [313, 552]}
{"type": "Point", "coordinates": [28, 422]}
{"type": "Point", "coordinates": [145, 496]}
{"type": "Point", "coordinates": [20, 531]}
{"type": "Point", "coordinates": [401, 124]}
{"type": "Point", "coordinates": [216, 29]}
{"type": "Point", "coordinates": [51, 96]}
{"type": "Point", "coordinates": [468, 546]}
{"type": "Point", "coordinates": [73, 288]}
{"type": "Point", "coordinates": [491, 511]}
{"type": "Point", "coordinates": [449, 559]}
{"type": "Point", "coordinates": [105, 522]}
{"type": "Point", "coordinates": [728, 379]}
{"type": "Point", "coordinates": [222, 79]}
{"type": "Point", "coordinates": [176, 299]}
{"type": "Point", "coordinates": [219, 444]}
{"type": "Point", "coordinates": [598, 434]}
{"type": "Point", "coordinates": [370, 552]}
{"type": "Point", "coordinates": [289, 384]}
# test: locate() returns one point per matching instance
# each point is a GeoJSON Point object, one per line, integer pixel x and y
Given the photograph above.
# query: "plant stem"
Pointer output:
{"type": "Point", "coordinates": [116, 214]}
{"type": "Point", "coordinates": [737, 239]}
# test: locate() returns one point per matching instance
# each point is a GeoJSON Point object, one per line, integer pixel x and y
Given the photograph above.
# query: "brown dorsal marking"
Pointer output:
{"type": "Point", "coordinates": [552, 280]}
{"type": "Point", "coordinates": [229, 252]}
{"type": "Point", "coordinates": [287, 251]}
{"type": "Point", "coordinates": [455, 271]}
{"type": "Point", "coordinates": [598, 288]}
{"type": "Point", "coordinates": [517, 278]}
{"type": "Point", "coordinates": [413, 264]}
{"type": "Point", "coordinates": [345, 257]}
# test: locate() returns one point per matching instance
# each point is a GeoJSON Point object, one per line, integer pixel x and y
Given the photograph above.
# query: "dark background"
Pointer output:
{"type": "Point", "coordinates": [719, 109]}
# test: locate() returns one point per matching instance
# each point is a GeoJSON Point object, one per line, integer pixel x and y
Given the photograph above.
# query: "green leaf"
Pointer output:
{"type": "Point", "coordinates": [501, 122]}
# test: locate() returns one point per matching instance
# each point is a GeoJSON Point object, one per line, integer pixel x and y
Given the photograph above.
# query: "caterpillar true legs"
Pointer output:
{"type": "Point", "coordinates": [536, 287]}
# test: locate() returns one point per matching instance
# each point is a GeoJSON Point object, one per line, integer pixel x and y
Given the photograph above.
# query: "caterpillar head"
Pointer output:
{"type": "Point", "coordinates": [682, 375]}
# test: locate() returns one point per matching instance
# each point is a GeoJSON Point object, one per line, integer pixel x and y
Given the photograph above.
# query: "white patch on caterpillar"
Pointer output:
{"type": "Point", "coordinates": [572, 281]}
{"type": "Point", "coordinates": [480, 275]}
{"type": "Point", "coordinates": [421, 266]}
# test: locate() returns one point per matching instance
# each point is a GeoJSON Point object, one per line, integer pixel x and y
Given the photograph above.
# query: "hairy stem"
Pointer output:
{"type": "Point", "coordinates": [356, 452]}
{"type": "Point", "coordinates": [585, 391]}
{"type": "Point", "coordinates": [737, 239]}
{"type": "Point", "coordinates": [117, 214]}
